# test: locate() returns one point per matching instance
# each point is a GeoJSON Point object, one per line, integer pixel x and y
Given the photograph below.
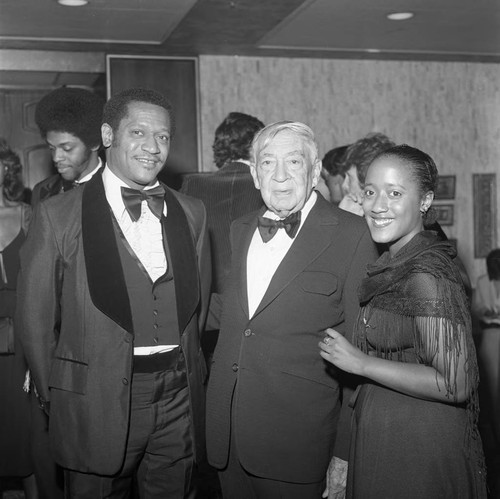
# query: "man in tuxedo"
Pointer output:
{"type": "Point", "coordinates": [273, 403]}
{"type": "Point", "coordinates": [69, 120]}
{"type": "Point", "coordinates": [120, 267]}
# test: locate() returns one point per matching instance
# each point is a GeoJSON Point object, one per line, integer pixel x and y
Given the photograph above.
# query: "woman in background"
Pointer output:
{"type": "Point", "coordinates": [14, 401]}
{"type": "Point", "coordinates": [414, 431]}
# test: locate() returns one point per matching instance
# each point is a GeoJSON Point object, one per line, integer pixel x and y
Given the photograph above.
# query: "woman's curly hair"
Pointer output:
{"type": "Point", "coordinates": [13, 187]}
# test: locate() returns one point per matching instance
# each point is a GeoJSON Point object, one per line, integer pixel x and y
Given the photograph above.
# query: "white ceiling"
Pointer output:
{"type": "Point", "coordinates": [447, 30]}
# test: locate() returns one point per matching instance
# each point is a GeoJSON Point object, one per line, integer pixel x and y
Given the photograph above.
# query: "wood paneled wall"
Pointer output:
{"type": "Point", "coordinates": [449, 110]}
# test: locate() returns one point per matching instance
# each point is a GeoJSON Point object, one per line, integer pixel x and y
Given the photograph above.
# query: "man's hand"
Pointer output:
{"type": "Point", "coordinates": [336, 479]}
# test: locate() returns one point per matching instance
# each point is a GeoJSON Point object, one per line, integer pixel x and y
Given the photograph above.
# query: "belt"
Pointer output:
{"type": "Point", "coordinates": [165, 361]}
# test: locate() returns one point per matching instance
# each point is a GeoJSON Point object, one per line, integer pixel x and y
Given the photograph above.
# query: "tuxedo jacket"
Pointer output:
{"type": "Point", "coordinates": [227, 194]}
{"type": "Point", "coordinates": [76, 324]}
{"type": "Point", "coordinates": [269, 385]}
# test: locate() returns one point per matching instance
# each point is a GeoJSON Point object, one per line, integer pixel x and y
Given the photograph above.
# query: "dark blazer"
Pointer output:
{"type": "Point", "coordinates": [71, 281]}
{"type": "Point", "coordinates": [285, 397]}
{"type": "Point", "coordinates": [46, 188]}
{"type": "Point", "coordinates": [227, 194]}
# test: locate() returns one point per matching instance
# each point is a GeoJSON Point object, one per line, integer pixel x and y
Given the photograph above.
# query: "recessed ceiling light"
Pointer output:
{"type": "Point", "coordinates": [72, 3]}
{"type": "Point", "coordinates": [400, 16]}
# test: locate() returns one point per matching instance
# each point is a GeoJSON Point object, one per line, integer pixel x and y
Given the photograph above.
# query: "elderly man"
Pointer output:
{"type": "Point", "coordinates": [273, 404]}
{"type": "Point", "coordinates": [121, 267]}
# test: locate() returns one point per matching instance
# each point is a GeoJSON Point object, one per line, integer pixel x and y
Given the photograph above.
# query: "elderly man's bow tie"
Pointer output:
{"type": "Point", "coordinates": [268, 227]}
{"type": "Point", "coordinates": [134, 197]}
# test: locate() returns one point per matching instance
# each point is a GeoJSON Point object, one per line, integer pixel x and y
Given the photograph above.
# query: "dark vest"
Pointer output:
{"type": "Point", "coordinates": [153, 305]}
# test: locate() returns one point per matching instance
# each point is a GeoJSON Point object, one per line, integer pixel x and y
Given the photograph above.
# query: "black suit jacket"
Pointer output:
{"type": "Point", "coordinates": [227, 194]}
{"type": "Point", "coordinates": [268, 385]}
{"type": "Point", "coordinates": [76, 324]}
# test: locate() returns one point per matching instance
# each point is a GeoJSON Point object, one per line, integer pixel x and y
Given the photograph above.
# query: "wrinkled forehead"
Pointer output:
{"type": "Point", "coordinates": [287, 142]}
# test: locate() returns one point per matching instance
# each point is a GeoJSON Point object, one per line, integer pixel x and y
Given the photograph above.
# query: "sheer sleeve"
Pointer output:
{"type": "Point", "coordinates": [443, 331]}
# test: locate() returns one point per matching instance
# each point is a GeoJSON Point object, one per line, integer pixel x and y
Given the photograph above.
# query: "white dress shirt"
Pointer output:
{"type": "Point", "coordinates": [263, 259]}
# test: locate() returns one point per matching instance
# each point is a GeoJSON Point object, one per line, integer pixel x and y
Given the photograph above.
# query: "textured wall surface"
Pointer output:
{"type": "Point", "coordinates": [449, 110]}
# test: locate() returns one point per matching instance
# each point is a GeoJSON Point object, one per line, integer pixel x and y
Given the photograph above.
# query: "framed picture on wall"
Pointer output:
{"type": "Point", "coordinates": [446, 187]}
{"type": "Point", "coordinates": [444, 213]}
{"type": "Point", "coordinates": [485, 213]}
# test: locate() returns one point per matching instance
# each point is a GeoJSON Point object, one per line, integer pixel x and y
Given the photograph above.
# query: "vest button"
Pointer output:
{"type": "Point", "coordinates": [155, 339]}
{"type": "Point", "coordinates": [234, 367]}
{"type": "Point", "coordinates": [155, 326]}
{"type": "Point", "coordinates": [127, 339]}
{"type": "Point", "coordinates": [247, 332]}
{"type": "Point", "coordinates": [155, 312]}
{"type": "Point", "coordinates": [125, 381]}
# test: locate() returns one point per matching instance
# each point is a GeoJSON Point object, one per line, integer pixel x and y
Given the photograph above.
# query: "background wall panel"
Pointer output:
{"type": "Point", "coordinates": [450, 110]}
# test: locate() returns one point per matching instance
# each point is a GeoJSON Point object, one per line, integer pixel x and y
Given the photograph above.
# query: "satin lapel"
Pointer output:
{"type": "Point", "coordinates": [105, 277]}
{"type": "Point", "coordinates": [314, 237]}
{"type": "Point", "coordinates": [184, 262]}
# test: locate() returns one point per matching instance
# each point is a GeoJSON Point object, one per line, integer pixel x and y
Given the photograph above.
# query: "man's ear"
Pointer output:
{"type": "Point", "coordinates": [106, 134]}
{"type": "Point", "coordinates": [316, 172]}
{"type": "Point", "coordinates": [253, 171]}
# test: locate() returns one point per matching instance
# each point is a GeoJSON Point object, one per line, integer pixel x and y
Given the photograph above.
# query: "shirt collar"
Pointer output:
{"type": "Point", "coordinates": [88, 176]}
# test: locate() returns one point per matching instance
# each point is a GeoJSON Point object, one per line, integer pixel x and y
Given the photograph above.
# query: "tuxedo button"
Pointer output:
{"type": "Point", "coordinates": [247, 332]}
{"type": "Point", "coordinates": [155, 326]}
{"type": "Point", "coordinates": [125, 381]}
{"type": "Point", "coordinates": [235, 367]}
{"type": "Point", "coordinates": [127, 339]}
{"type": "Point", "coordinates": [155, 312]}
{"type": "Point", "coordinates": [155, 339]}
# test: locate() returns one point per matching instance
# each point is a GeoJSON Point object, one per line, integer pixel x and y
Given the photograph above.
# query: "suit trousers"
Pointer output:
{"type": "Point", "coordinates": [49, 475]}
{"type": "Point", "coordinates": [237, 483]}
{"type": "Point", "coordinates": [159, 453]}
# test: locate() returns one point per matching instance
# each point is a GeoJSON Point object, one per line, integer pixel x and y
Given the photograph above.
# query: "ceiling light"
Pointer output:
{"type": "Point", "coordinates": [400, 16]}
{"type": "Point", "coordinates": [72, 3]}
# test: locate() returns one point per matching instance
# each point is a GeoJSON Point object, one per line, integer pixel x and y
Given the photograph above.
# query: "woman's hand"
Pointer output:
{"type": "Point", "coordinates": [336, 479]}
{"type": "Point", "coordinates": [337, 350]}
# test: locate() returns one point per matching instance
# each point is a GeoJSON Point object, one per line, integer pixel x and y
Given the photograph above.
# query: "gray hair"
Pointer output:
{"type": "Point", "coordinates": [264, 136]}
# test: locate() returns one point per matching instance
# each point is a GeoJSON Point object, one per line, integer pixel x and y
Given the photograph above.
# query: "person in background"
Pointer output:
{"type": "Point", "coordinates": [486, 307]}
{"type": "Point", "coordinates": [229, 192]}
{"type": "Point", "coordinates": [272, 406]}
{"type": "Point", "coordinates": [15, 409]}
{"type": "Point", "coordinates": [121, 268]}
{"type": "Point", "coordinates": [358, 157]}
{"type": "Point", "coordinates": [334, 172]}
{"type": "Point", "coordinates": [69, 120]}
{"type": "Point", "coordinates": [414, 432]}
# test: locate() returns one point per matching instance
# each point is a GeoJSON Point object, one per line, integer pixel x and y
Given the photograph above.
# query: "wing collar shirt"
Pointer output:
{"type": "Point", "coordinates": [263, 259]}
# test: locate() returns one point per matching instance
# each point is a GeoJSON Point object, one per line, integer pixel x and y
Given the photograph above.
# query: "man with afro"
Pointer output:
{"type": "Point", "coordinates": [69, 120]}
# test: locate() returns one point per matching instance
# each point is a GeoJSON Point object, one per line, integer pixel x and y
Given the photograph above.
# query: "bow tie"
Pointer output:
{"type": "Point", "coordinates": [133, 199]}
{"type": "Point", "coordinates": [67, 185]}
{"type": "Point", "coordinates": [268, 227]}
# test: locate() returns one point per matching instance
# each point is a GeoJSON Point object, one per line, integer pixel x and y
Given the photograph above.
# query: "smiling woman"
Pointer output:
{"type": "Point", "coordinates": [416, 413]}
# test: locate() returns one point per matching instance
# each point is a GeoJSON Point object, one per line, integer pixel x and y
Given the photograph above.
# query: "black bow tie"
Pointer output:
{"type": "Point", "coordinates": [133, 199]}
{"type": "Point", "coordinates": [67, 185]}
{"type": "Point", "coordinates": [268, 227]}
